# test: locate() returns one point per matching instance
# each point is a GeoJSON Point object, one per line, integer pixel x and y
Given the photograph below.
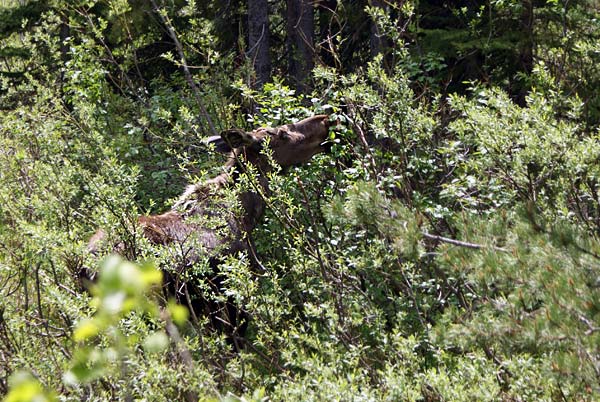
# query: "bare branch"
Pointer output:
{"type": "Point", "coordinates": [186, 71]}
{"type": "Point", "coordinates": [182, 350]}
{"type": "Point", "coordinates": [462, 243]}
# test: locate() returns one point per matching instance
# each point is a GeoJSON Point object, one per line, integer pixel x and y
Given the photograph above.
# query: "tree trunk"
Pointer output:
{"type": "Point", "coordinates": [526, 50]}
{"type": "Point", "coordinates": [376, 39]}
{"type": "Point", "coordinates": [300, 33]}
{"type": "Point", "coordinates": [527, 27]}
{"type": "Point", "coordinates": [258, 40]}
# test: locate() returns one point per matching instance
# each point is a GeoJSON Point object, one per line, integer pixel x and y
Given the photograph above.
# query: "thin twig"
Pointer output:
{"type": "Point", "coordinates": [184, 65]}
{"type": "Point", "coordinates": [182, 350]}
{"type": "Point", "coordinates": [365, 144]}
{"type": "Point", "coordinates": [462, 243]}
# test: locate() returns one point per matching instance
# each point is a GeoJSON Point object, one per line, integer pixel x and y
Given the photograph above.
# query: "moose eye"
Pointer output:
{"type": "Point", "coordinates": [284, 135]}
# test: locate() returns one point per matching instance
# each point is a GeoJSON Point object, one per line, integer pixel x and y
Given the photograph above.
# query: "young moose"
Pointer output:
{"type": "Point", "coordinates": [191, 225]}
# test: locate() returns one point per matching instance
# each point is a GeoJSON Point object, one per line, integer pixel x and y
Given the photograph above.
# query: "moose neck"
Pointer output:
{"type": "Point", "coordinates": [252, 199]}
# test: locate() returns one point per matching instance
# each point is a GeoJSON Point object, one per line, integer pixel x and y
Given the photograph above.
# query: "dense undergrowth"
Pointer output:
{"type": "Point", "coordinates": [446, 249]}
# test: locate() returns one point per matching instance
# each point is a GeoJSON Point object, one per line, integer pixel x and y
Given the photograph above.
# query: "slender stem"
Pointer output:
{"type": "Point", "coordinates": [186, 71]}
{"type": "Point", "coordinates": [462, 243]}
{"type": "Point", "coordinates": [182, 350]}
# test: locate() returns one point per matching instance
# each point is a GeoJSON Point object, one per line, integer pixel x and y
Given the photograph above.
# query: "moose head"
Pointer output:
{"type": "Point", "coordinates": [291, 144]}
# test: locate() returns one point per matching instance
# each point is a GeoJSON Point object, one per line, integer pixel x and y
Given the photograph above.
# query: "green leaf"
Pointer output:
{"type": "Point", "coordinates": [86, 330]}
{"type": "Point", "coordinates": [157, 342]}
{"type": "Point", "coordinates": [178, 312]}
{"type": "Point", "coordinates": [25, 388]}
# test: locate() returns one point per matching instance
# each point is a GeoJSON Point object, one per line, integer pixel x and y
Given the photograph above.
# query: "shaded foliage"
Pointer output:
{"type": "Point", "coordinates": [445, 249]}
